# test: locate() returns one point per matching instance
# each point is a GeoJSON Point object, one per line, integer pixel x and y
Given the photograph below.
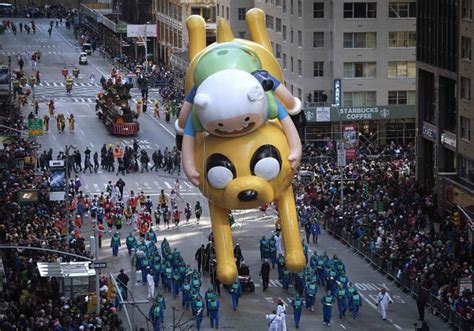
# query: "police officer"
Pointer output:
{"type": "Point", "coordinates": [214, 306]}
{"type": "Point", "coordinates": [156, 315]}
{"type": "Point", "coordinates": [355, 304]}
{"type": "Point", "coordinates": [327, 301]}
{"type": "Point", "coordinates": [297, 304]}
{"type": "Point", "coordinates": [198, 310]}
{"type": "Point", "coordinates": [115, 243]}
{"type": "Point", "coordinates": [236, 291]}
{"type": "Point", "coordinates": [209, 296]}
{"type": "Point", "coordinates": [310, 295]}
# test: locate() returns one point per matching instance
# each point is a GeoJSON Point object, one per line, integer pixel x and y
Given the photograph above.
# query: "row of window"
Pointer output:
{"type": "Point", "coordinates": [369, 98]}
{"type": "Point", "coordinates": [396, 9]}
{"type": "Point", "coordinates": [398, 39]}
{"type": "Point", "coordinates": [396, 69]}
{"type": "Point", "coordinates": [467, 9]}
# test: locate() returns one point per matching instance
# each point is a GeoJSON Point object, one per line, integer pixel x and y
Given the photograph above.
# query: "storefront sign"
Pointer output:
{"type": "Point", "coordinates": [354, 114]}
{"type": "Point", "coordinates": [138, 30]}
{"type": "Point", "coordinates": [429, 131]}
{"type": "Point", "coordinates": [337, 92]}
{"type": "Point", "coordinates": [449, 139]}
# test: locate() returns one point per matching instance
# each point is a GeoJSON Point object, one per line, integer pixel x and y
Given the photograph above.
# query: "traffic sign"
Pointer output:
{"type": "Point", "coordinates": [98, 265]}
{"type": "Point", "coordinates": [35, 127]}
{"type": "Point", "coordinates": [341, 154]}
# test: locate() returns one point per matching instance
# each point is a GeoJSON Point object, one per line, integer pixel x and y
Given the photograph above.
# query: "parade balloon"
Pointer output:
{"type": "Point", "coordinates": [240, 147]}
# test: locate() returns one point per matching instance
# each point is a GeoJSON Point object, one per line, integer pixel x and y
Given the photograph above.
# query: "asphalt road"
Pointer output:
{"type": "Point", "coordinates": [62, 50]}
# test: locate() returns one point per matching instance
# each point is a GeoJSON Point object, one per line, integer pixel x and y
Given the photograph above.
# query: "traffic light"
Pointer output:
{"type": "Point", "coordinates": [457, 219]}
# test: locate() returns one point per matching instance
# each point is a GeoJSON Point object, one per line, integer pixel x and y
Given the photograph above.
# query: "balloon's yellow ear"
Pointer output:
{"type": "Point", "coordinates": [224, 32]}
{"type": "Point", "coordinates": [197, 35]}
{"type": "Point", "coordinates": [255, 19]}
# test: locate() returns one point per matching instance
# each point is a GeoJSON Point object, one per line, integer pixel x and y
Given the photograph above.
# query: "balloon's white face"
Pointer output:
{"type": "Point", "coordinates": [231, 103]}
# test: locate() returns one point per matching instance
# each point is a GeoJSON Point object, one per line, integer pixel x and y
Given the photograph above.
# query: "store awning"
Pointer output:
{"type": "Point", "coordinates": [65, 270]}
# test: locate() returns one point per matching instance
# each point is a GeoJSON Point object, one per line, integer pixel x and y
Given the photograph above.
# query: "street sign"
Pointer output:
{"type": "Point", "coordinates": [35, 127]}
{"type": "Point", "coordinates": [341, 154]}
{"type": "Point", "coordinates": [98, 265]}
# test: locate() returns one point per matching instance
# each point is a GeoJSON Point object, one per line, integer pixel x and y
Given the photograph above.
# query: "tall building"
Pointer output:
{"type": "Point", "coordinates": [172, 39]}
{"type": "Point", "coordinates": [445, 114]}
{"type": "Point", "coordinates": [370, 46]}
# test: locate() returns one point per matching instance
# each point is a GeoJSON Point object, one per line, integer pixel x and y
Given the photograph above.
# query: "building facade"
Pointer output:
{"type": "Point", "coordinates": [170, 17]}
{"type": "Point", "coordinates": [370, 46]}
{"type": "Point", "coordinates": [445, 112]}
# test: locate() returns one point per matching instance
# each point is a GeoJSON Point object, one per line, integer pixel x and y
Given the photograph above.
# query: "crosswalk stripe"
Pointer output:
{"type": "Point", "coordinates": [47, 84]}
{"type": "Point", "coordinates": [62, 84]}
{"type": "Point", "coordinates": [82, 100]}
{"type": "Point", "coordinates": [55, 84]}
{"type": "Point", "coordinates": [82, 84]}
{"type": "Point", "coordinates": [75, 99]}
{"type": "Point", "coordinates": [187, 184]}
{"type": "Point", "coordinates": [75, 84]}
{"type": "Point", "coordinates": [89, 100]}
{"type": "Point", "coordinates": [168, 185]}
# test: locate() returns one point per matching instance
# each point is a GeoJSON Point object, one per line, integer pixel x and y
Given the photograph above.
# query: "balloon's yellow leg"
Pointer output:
{"type": "Point", "coordinates": [226, 268]}
{"type": "Point", "coordinates": [294, 257]}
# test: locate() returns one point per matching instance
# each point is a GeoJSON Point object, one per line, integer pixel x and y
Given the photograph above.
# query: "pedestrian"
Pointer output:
{"type": "Point", "coordinates": [156, 315]}
{"type": "Point", "coordinates": [354, 304]}
{"type": "Point", "coordinates": [421, 304]}
{"type": "Point", "coordinates": [281, 311]}
{"type": "Point", "coordinates": [150, 280]}
{"type": "Point", "coordinates": [96, 161]}
{"type": "Point", "coordinates": [274, 321]}
{"type": "Point", "coordinates": [341, 301]}
{"type": "Point", "coordinates": [120, 184]}
{"type": "Point", "coordinates": [236, 292]}
{"type": "Point", "coordinates": [383, 299]}
{"type": "Point", "coordinates": [200, 257]}
{"type": "Point", "coordinates": [238, 255]}
{"type": "Point", "coordinates": [122, 282]}
{"type": "Point", "coordinates": [92, 79]}
{"type": "Point", "coordinates": [424, 327]}
{"type": "Point", "coordinates": [131, 243]}
{"type": "Point", "coordinates": [327, 301]}
{"type": "Point", "coordinates": [265, 274]}
{"type": "Point", "coordinates": [115, 243]}
{"type": "Point", "coordinates": [297, 304]}
{"type": "Point", "coordinates": [198, 211]}
{"type": "Point", "coordinates": [214, 306]}
{"type": "Point", "coordinates": [187, 212]}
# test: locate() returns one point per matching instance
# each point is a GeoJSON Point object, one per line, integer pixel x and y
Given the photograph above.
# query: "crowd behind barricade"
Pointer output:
{"type": "Point", "coordinates": [29, 301]}
{"type": "Point", "coordinates": [48, 11]}
{"type": "Point", "coordinates": [386, 212]}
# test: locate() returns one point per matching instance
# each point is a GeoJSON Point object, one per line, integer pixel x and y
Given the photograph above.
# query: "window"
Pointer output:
{"type": "Point", "coordinates": [360, 40]}
{"type": "Point", "coordinates": [292, 65]}
{"type": "Point", "coordinates": [218, 11]}
{"type": "Point", "coordinates": [466, 48]}
{"type": "Point", "coordinates": [402, 69]}
{"type": "Point", "coordinates": [300, 93]}
{"type": "Point", "coordinates": [318, 39]}
{"type": "Point", "coordinates": [278, 51]}
{"type": "Point", "coordinates": [284, 5]}
{"type": "Point", "coordinates": [278, 3]}
{"type": "Point", "coordinates": [300, 8]}
{"type": "Point", "coordinates": [318, 10]}
{"type": "Point", "coordinates": [465, 128]}
{"type": "Point", "coordinates": [241, 14]}
{"type": "Point", "coordinates": [284, 32]}
{"type": "Point", "coordinates": [300, 68]}
{"type": "Point", "coordinates": [401, 97]}
{"type": "Point", "coordinates": [319, 96]}
{"type": "Point", "coordinates": [360, 10]}
{"type": "Point", "coordinates": [402, 39]}
{"type": "Point", "coordinates": [278, 24]}
{"type": "Point", "coordinates": [292, 5]}
{"type": "Point", "coordinates": [467, 9]}
{"type": "Point", "coordinates": [360, 99]}
{"type": "Point", "coordinates": [465, 89]}
{"type": "Point", "coordinates": [466, 168]}
{"type": "Point", "coordinates": [269, 22]}
{"type": "Point", "coordinates": [300, 38]}
{"type": "Point", "coordinates": [360, 70]}
{"type": "Point", "coordinates": [402, 9]}
{"type": "Point", "coordinates": [284, 61]}
{"type": "Point", "coordinates": [318, 69]}
{"type": "Point", "coordinates": [227, 12]}
{"type": "Point", "coordinates": [291, 36]}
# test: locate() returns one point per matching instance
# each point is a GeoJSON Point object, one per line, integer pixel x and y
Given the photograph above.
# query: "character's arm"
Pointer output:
{"type": "Point", "coordinates": [189, 165]}
{"type": "Point", "coordinates": [291, 103]}
{"type": "Point", "coordinates": [186, 108]}
{"type": "Point", "coordinates": [292, 136]}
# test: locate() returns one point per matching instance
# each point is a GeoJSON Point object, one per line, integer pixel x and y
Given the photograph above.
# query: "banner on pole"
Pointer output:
{"type": "Point", "coordinates": [35, 127]}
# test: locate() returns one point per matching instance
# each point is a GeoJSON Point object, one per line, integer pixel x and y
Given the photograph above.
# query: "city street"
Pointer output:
{"type": "Point", "coordinates": [62, 50]}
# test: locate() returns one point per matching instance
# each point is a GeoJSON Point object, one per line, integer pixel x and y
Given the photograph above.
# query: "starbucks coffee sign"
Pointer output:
{"type": "Point", "coordinates": [352, 114]}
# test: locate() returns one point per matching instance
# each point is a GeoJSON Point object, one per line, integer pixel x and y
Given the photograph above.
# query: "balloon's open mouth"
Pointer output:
{"type": "Point", "coordinates": [247, 128]}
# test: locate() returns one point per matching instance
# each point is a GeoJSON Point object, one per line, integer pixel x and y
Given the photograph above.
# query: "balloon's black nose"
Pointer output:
{"type": "Point", "coordinates": [248, 195]}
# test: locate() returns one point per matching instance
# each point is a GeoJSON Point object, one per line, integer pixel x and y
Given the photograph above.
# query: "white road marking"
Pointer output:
{"type": "Point", "coordinates": [168, 185]}
{"type": "Point", "coordinates": [55, 84]}
{"type": "Point", "coordinates": [80, 130]}
{"type": "Point", "coordinates": [342, 326]}
{"type": "Point", "coordinates": [376, 309]}
{"type": "Point", "coordinates": [160, 124]}
{"type": "Point", "coordinates": [92, 145]}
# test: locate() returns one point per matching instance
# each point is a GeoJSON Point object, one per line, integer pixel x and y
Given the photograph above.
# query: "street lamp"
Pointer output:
{"type": "Point", "coordinates": [146, 48]}
{"type": "Point", "coordinates": [341, 160]}
{"type": "Point", "coordinates": [66, 172]}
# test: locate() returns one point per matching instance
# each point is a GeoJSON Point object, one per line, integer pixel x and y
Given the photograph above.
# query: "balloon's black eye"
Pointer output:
{"type": "Point", "coordinates": [266, 162]}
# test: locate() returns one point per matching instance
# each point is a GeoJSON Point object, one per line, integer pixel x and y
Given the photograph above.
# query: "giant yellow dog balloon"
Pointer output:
{"type": "Point", "coordinates": [251, 160]}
